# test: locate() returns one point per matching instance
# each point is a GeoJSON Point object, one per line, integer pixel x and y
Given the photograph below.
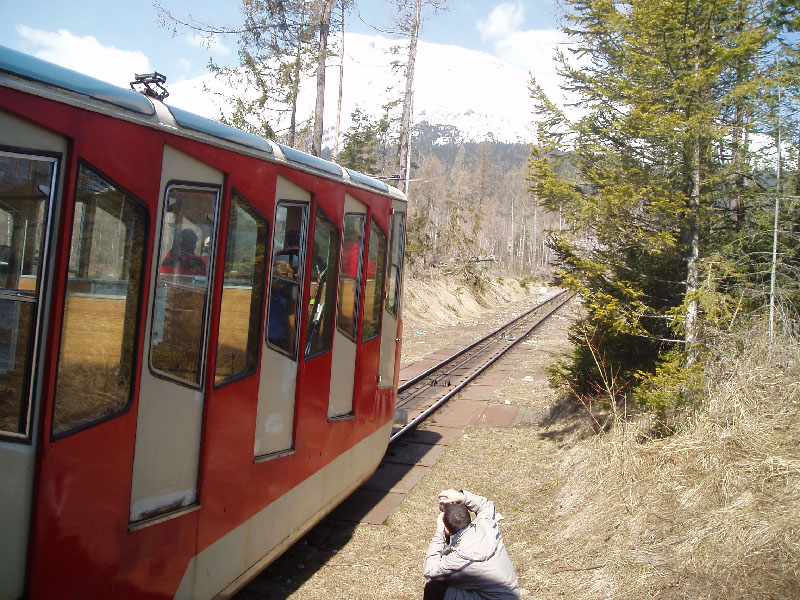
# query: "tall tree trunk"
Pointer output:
{"type": "Point", "coordinates": [319, 109]}
{"type": "Point", "coordinates": [295, 93]}
{"type": "Point", "coordinates": [534, 232]}
{"type": "Point", "coordinates": [339, 103]}
{"type": "Point", "coordinates": [776, 223]}
{"type": "Point", "coordinates": [693, 261]}
{"type": "Point", "coordinates": [405, 125]}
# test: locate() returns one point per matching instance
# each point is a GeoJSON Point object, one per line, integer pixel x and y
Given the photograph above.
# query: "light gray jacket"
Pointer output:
{"type": "Point", "coordinates": [475, 564]}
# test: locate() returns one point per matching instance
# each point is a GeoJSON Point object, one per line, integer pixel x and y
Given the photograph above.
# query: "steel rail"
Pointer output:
{"type": "Point", "coordinates": [433, 369]}
{"type": "Point", "coordinates": [439, 403]}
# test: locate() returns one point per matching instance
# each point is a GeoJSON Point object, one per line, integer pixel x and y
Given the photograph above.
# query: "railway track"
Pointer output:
{"type": "Point", "coordinates": [421, 396]}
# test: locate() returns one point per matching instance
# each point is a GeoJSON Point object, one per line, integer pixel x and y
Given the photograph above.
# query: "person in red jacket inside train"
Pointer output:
{"type": "Point", "coordinates": [181, 258]}
{"type": "Point", "coordinates": [467, 558]}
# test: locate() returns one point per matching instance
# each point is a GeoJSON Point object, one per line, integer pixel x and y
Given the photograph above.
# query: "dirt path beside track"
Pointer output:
{"type": "Point", "coordinates": [517, 467]}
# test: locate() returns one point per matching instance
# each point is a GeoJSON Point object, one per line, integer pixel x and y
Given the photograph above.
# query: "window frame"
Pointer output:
{"type": "Point", "coordinates": [139, 323]}
{"type": "Point", "coordinates": [300, 281]}
{"type": "Point", "coordinates": [359, 279]}
{"type": "Point", "coordinates": [394, 307]}
{"type": "Point", "coordinates": [380, 297]}
{"type": "Point", "coordinates": [318, 211]}
{"type": "Point", "coordinates": [262, 308]}
{"type": "Point", "coordinates": [210, 267]}
{"type": "Point", "coordinates": [43, 284]}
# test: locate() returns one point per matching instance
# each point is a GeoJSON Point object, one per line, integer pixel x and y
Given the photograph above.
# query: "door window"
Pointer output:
{"type": "Point", "coordinates": [27, 185]}
{"type": "Point", "coordinates": [350, 275]}
{"type": "Point", "coordinates": [242, 292]}
{"type": "Point", "coordinates": [322, 299]}
{"type": "Point", "coordinates": [288, 258]}
{"type": "Point", "coordinates": [376, 272]}
{"type": "Point", "coordinates": [182, 290]}
{"type": "Point", "coordinates": [395, 263]}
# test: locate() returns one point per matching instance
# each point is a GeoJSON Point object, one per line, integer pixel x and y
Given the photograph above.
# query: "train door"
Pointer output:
{"type": "Point", "coordinates": [171, 396]}
{"type": "Point", "coordinates": [29, 181]}
{"type": "Point", "coordinates": [340, 403]}
{"type": "Point", "coordinates": [278, 384]}
{"type": "Point", "coordinates": [390, 340]}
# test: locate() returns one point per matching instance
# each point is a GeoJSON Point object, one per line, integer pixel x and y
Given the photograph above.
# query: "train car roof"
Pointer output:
{"type": "Point", "coordinates": [35, 69]}
{"type": "Point", "coordinates": [189, 120]}
{"type": "Point", "coordinates": [64, 84]}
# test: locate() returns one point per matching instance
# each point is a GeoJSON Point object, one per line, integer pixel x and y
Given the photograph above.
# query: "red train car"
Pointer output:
{"type": "Point", "coordinates": [199, 341]}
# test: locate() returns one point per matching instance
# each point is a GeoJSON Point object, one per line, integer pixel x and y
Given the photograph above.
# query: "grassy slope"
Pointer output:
{"type": "Point", "coordinates": [711, 512]}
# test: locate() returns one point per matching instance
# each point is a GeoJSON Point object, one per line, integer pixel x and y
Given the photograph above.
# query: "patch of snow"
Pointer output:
{"type": "Point", "coordinates": [479, 94]}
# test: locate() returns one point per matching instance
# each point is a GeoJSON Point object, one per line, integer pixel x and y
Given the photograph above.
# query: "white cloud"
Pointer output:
{"type": "Point", "coordinates": [85, 54]}
{"type": "Point", "coordinates": [504, 19]}
{"type": "Point", "coordinates": [529, 49]}
{"type": "Point", "coordinates": [532, 50]}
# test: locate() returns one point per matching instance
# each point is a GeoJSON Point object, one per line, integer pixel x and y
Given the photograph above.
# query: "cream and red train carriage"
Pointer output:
{"type": "Point", "coordinates": [199, 341]}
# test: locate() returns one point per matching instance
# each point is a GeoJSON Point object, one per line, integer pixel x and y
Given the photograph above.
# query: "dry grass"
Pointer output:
{"type": "Point", "coordinates": [711, 512]}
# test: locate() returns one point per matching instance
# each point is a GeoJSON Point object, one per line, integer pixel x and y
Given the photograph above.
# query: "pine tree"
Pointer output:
{"type": "Point", "coordinates": [362, 142]}
{"type": "Point", "coordinates": [667, 92]}
{"type": "Point", "coordinates": [281, 43]}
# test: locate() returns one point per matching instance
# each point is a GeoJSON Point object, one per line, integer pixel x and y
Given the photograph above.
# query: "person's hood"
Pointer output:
{"type": "Point", "coordinates": [478, 542]}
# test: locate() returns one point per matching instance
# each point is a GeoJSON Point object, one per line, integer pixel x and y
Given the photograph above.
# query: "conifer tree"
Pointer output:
{"type": "Point", "coordinates": [281, 42]}
{"type": "Point", "coordinates": [362, 142]}
{"type": "Point", "coordinates": [667, 94]}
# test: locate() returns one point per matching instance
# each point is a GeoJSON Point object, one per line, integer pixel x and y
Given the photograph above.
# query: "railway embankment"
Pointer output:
{"type": "Point", "coordinates": [441, 310]}
{"type": "Point", "coordinates": [709, 512]}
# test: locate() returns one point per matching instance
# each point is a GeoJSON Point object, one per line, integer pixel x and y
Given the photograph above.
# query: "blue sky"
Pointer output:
{"type": "Point", "coordinates": [112, 39]}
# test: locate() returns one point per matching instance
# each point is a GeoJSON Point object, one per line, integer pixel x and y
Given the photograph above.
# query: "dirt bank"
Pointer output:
{"type": "Point", "coordinates": [440, 310]}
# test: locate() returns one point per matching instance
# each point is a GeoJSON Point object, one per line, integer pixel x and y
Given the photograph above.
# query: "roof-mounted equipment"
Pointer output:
{"type": "Point", "coordinates": [151, 85]}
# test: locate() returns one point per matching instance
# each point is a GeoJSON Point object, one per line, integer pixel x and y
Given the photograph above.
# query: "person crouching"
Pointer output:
{"type": "Point", "coordinates": [467, 558]}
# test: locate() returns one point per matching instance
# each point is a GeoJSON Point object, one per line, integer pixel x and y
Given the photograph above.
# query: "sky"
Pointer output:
{"type": "Point", "coordinates": [113, 39]}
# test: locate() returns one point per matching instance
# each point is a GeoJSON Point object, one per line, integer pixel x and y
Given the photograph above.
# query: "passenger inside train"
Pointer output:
{"type": "Point", "coordinates": [281, 308]}
{"type": "Point", "coordinates": [181, 259]}
{"type": "Point", "coordinates": [291, 250]}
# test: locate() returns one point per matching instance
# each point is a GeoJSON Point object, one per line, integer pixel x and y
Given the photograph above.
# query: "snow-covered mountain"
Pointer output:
{"type": "Point", "coordinates": [480, 95]}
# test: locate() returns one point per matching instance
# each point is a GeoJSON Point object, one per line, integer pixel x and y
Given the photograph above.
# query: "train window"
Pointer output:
{"type": "Point", "coordinates": [395, 263]}
{"type": "Point", "coordinates": [101, 308]}
{"type": "Point", "coordinates": [27, 185]}
{"type": "Point", "coordinates": [242, 292]}
{"type": "Point", "coordinates": [322, 299]}
{"type": "Point", "coordinates": [288, 258]}
{"type": "Point", "coordinates": [178, 336]}
{"type": "Point", "coordinates": [350, 275]}
{"type": "Point", "coordinates": [376, 272]}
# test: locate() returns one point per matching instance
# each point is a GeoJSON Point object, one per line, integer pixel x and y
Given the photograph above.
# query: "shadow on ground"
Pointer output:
{"type": "Point", "coordinates": [299, 563]}
{"type": "Point", "coordinates": [568, 421]}
{"type": "Point", "coordinates": [322, 543]}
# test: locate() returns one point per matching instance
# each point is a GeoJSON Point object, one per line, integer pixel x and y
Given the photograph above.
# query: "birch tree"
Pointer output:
{"type": "Point", "coordinates": [409, 22]}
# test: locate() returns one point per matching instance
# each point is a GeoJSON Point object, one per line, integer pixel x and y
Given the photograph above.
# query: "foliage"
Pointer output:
{"type": "Point", "coordinates": [658, 178]}
{"type": "Point", "coordinates": [670, 386]}
{"type": "Point", "coordinates": [280, 43]}
{"type": "Point", "coordinates": [362, 142]}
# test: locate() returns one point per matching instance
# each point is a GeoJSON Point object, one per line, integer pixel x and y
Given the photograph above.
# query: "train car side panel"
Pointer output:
{"type": "Point", "coordinates": [166, 458]}
{"type": "Point", "coordinates": [22, 143]}
{"type": "Point", "coordinates": [202, 441]}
